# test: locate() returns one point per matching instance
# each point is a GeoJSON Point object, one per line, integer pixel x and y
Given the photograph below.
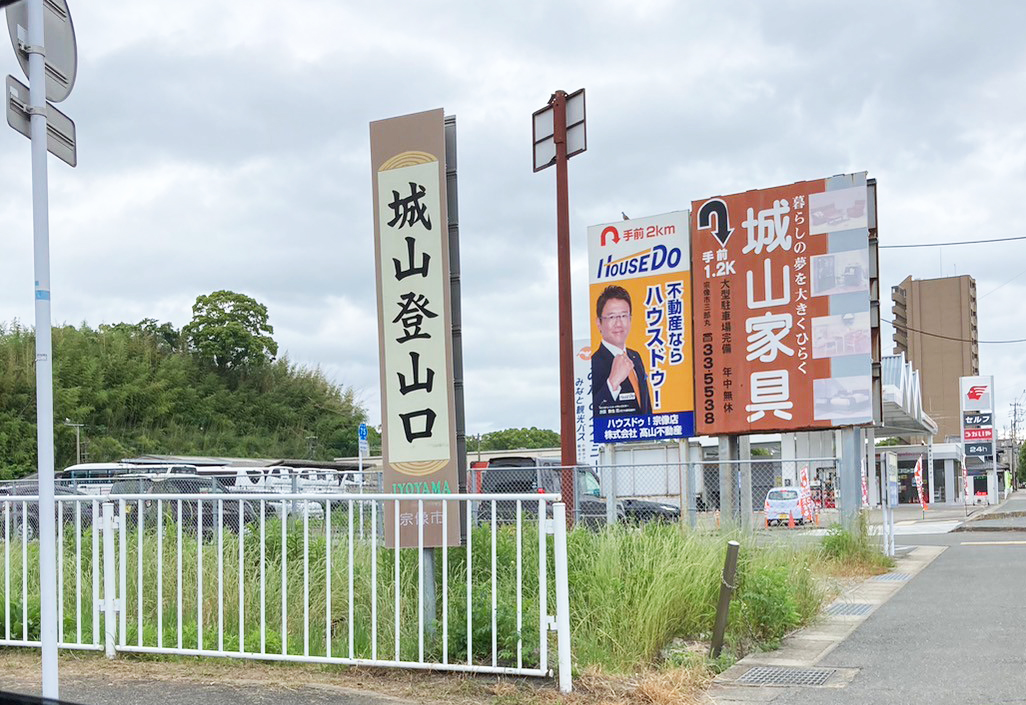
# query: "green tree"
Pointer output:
{"type": "Point", "coordinates": [231, 331]}
{"type": "Point", "coordinates": [135, 391]}
{"type": "Point", "coordinates": [519, 438]}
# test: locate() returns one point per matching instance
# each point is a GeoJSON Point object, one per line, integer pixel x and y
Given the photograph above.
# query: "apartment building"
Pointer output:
{"type": "Point", "coordinates": [935, 326]}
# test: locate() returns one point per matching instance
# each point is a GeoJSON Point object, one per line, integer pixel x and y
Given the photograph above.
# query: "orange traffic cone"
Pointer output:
{"type": "Point", "coordinates": [790, 520]}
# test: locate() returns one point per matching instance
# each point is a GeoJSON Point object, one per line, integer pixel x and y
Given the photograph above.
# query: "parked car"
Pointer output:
{"type": "Point", "coordinates": [176, 484]}
{"type": "Point", "coordinates": [644, 510]}
{"type": "Point", "coordinates": [781, 505]}
{"type": "Point", "coordinates": [530, 474]}
{"type": "Point", "coordinates": [30, 518]}
{"type": "Point", "coordinates": [526, 474]}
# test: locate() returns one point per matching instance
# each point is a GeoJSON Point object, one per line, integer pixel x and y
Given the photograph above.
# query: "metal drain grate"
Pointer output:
{"type": "Point", "coordinates": [850, 609]}
{"type": "Point", "coordinates": [892, 577]}
{"type": "Point", "coordinates": [776, 675]}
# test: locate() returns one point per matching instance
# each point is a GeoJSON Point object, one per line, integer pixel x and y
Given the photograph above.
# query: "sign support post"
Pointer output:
{"type": "Point", "coordinates": [49, 80]}
{"type": "Point", "coordinates": [44, 349]}
{"type": "Point", "coordinates": [551, 146]}
{"type": "Point", "coordinates": [852, 453]}
{"type": "Point", "coordinates": [567, 427]}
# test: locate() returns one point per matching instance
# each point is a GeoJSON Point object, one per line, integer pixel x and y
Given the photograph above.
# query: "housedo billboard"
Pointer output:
{"type": "Point", "coordinates": [641, 346]}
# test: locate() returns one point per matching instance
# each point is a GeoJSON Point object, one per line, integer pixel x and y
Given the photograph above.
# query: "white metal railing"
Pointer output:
{"type": "Point", "coordinates": [224, 575]}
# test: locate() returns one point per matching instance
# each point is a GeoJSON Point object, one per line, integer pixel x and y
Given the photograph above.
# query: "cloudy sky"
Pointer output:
{"type": "Point", "coordinates": [223, 144]}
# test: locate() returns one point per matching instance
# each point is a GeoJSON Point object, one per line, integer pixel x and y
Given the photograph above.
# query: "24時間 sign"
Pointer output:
{"type": "Point", "coordinates": [640, 303]}
{"type": "Point", "coordinates": [414, 328]}
{"type": "Point", "coordinates": [781, 308]}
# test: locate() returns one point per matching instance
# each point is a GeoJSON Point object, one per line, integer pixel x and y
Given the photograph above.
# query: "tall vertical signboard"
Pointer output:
{"type": "Point", "coordinates": [414, 323]}
{"type": "Point", "coordinates": [977, 406]}
{"type": "Point", "coordinates": [641, 364]}
{"type": "Point", "coordinates": [587, 449]}
{"type": "Point", "coordinates": [783, 330]}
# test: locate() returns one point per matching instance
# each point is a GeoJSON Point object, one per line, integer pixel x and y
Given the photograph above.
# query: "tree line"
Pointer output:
{"type": "Point", "coordinates": [215, 387]}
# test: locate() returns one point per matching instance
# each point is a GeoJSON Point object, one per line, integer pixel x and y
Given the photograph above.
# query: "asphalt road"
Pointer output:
{"type": "Point", "coordinates": [956, 633]}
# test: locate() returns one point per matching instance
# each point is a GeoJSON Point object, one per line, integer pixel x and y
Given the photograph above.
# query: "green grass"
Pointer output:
{"type": "Point", "coordinates": [855, 549]}
{"type": "Point", "coordinates": [633, 592]}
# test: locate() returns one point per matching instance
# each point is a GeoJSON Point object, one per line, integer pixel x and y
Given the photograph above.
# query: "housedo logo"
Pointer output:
{"type": "Point", "coordinates": [650, 261]}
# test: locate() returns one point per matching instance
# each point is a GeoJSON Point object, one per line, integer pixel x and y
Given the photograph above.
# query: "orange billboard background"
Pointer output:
{"type": "Point", "coordinates": [753, 310]}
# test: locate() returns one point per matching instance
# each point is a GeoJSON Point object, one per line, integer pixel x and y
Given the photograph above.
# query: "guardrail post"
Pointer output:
{"type": "Point", "coordinates": [562, 598]}
{"type": "Point", "coordinates": [109, 604]}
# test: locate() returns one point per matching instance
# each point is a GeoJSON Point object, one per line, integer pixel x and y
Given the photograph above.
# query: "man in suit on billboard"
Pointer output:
{"type": "Point", "coordinates": [619, 384]}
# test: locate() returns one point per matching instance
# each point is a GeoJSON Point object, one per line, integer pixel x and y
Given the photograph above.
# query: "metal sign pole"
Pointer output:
{"type": "Point", "coordinates": [44, 352]}
{"type": "Point", "coordinates": [567, 431]}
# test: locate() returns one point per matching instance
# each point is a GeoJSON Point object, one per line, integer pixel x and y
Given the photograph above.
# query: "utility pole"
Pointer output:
{"type": "Point", "coordinates": [1016, 407]}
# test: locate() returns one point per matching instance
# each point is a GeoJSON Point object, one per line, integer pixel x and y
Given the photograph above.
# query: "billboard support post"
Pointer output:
{"type": "Point", "coordinates": [727, 452]}
{"type": "Point", "coordinates": [567, 427]}
{"type": "Point", "coordinates": [744, 447]}
{"type": "Point", "coordinates": [554, 142]}
{"type": "Point", "coordinates": [852, 452]}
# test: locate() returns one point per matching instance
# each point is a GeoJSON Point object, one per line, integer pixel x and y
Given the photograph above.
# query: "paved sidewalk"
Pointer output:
{"type": "Point", "coordinates": [945, 626]}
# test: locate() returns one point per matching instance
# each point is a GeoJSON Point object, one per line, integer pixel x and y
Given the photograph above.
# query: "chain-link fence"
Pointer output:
{"type": "Point", "coordinates": [703, 492]}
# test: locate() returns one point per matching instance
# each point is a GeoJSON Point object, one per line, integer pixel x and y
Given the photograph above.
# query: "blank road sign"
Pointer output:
{"type": "Point", "coordinates": [60, 130]}
{"type": "Point", "coordinates": [61, 58]}
{"type": "Point", "coordinates": [543, 131]}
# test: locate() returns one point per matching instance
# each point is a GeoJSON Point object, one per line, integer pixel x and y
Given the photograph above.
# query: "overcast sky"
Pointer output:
{"type": "Point", "coordinates": [223, 144]}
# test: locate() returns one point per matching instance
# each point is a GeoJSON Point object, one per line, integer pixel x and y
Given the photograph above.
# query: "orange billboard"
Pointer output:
{"type": "Point", "coordinates": [781, 308]}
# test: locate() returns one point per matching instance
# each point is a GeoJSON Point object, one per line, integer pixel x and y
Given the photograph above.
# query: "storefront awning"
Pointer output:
{"type": "Point", "coordinates": [903, 413]}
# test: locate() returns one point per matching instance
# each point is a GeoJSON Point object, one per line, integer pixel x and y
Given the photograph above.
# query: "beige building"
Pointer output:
{"type": "Point", "coordinates": [935, 326]}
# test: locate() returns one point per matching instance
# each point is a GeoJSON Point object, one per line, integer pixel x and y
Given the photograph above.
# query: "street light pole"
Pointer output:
{"type": "Point", "coordinates": [78, 439]}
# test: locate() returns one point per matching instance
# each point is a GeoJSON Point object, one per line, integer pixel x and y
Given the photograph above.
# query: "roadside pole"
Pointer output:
{"type": "Point", "coordinates": [44, 353]}
{"type": "Point", "coordinates": [567, 426]}
{"type": "Point", "coordinates": [51, 78]}
{"type": "Point", "coordinates": [551, 146]}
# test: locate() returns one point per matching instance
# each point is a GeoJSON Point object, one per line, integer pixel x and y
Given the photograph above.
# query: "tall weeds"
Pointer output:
{"type": "Point", "coordinates": [633, 592]}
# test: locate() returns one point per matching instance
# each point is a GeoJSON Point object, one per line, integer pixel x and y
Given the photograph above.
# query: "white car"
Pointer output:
{"type": "Point", "coordinates": [782, 503]}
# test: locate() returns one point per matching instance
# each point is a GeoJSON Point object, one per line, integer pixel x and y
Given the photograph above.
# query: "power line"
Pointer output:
{"type": "Point", "coordinates": [948, 337]}
{"type": "Point", "coordinates": [961, 242]}
{"type": "Point", "coordinates": [1007, 282]}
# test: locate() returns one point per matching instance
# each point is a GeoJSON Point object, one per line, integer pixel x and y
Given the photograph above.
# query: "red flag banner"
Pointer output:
{"type": "Point", "coordinates": [919, 483]}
